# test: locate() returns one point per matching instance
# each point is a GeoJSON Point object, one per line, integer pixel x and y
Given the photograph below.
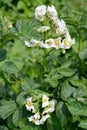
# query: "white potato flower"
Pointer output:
{"type": "Point", "coordinates": [63, 42]}
{"type": "Point", "coordinates": [52, 13]}
{"type": "Point", "coordinates": [44, 118]}
{"type": "Point", "coordinates": [68, 41]}
{"type": "Point", "coordinates": [66, 44]}
{"type": "Point", "coordinates": [35, 118]}
{"type": "Point", "coordinates": [31, 118]}
{"type": "Point", "coordinates": [40, 117]}
{"type": "Point", "coordinates": [50, 108]}
{"type": "Point", "coordinates": [40, 12]}
{"type": "Point", "coordinates": [43, 29]}
{"type": "Point", "coordinates": [29, 106]}
{"type": "Point", "coordinates": [45, 101]}
{"type": "Point", "coordinates": [49, 43]}
{"type": "Point", "coordinates": [55, 22]}
{"type": "Point", "coordinates": [52, 105]}
{"type": "Point", "coordinates": [57, 43]}
{"type": "Point", "coordinates": [36, 43]}
{"type": "Point", "coordinates": [28, 44]}
{"type": "Point", "coordinates": [37, 122]}
{"type": "Point", "coordinates": [61, 27]}
{"type": "Point", "coordinates": [37, 115]}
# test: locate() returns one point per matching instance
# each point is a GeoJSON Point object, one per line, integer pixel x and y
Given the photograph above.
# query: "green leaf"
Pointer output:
{"type": "Point", "coordinates": [3, 53]}
{"type": "Point", "coordinates": [52, 78]}
{"type": "Point", "coordinates": [10, 123]}
{"type": "Point", "coordinates": [6, 1]}
{"type": "Point", "coordinates": [64, 116]}
{"type": "Point", "coordinates": [52, 81]}
{"type": "Point", "coordinates": [78, 83]}
{"type": "Point", "coordinates": [66, 64]}
{"type": "Point", "coordinates": [16, 129]}
{"type": "Point", "coordinates": [66, 91]}
{"type": "Point", "coordinates": [77, 108]}
{"type": "Point", "coordinates": [9, 68]}
{"type": "Point", "coordinates": [83, 124]}
{"type": "Point", "coordinates": [21, 99]}
{"type": "Point", "coordinates": [80, 92]}
{"type": "Point", "coordinates": [53, 123]}
{"type": "Point", "coordinates": [67, 72]}
{"type": "Point", "coordinates": [28, 84]}
{"type": "Point", "coordinates": [7, 108]}
{"type": "Point", "coordinates": [28, 29]}
{"type": "Point", "coordinates": [16, 117]}
{"type": "Point", "coordinates": [24, 124]}
{"type": "Point", "coordinates": [2, 127]}
{"type": "Point", "coordinates": [83, 54]}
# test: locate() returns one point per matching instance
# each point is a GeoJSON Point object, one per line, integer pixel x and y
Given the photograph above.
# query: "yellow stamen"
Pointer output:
{"type": "Point", "coordinates": [56, 42]}
{"type": "Point", "coordinates": [44, 100]}
{"type": "Point", "coordinates": [37, 43]}
{"type": "Point", "coordinates": [54, 25]}
{"type": "Point", "coordinates": [33, 121]}
{"type": "Point", "coordinates": [65, 42]}
{"type": "Point", "coordinates": [48, 42]}
{"type": "Point", "coordinates": [29, 103]}
{"type": "Point", "coordinates": [42, 30]}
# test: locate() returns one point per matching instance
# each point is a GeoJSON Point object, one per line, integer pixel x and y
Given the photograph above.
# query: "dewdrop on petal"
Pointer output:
{"type": "Point", "coordinates": [29, 106]}
{"type": "Point", "coordinates": [40, 12]}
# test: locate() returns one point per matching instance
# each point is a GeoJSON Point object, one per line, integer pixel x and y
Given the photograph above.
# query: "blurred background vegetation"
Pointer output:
{"type": "Point", "coordinates": [15, 9]}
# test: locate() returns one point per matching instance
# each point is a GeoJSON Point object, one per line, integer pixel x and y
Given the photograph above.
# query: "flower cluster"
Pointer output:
{"type": "Point", "coordinates": [47, 107]}
{"type": "Point", "coordinates": [61, 40]}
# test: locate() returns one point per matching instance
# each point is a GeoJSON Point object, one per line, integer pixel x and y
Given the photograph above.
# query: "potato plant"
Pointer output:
{"type": "Point", "coordinates": [43, 65]}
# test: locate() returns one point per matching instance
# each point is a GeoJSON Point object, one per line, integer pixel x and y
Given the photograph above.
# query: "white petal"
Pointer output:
{"type": "Point", "coordinates": [40, 12]}
{"type": "Point", "coordinates": [43, 29]}
{"type": "Point", "coordinates": [28, 44]}
{"type": "Point", "coordinates": [52, 13]}
{"type": "Point", "coordinates": [44, 118]}
{"type": "Point", "coordinates": [45, 101]}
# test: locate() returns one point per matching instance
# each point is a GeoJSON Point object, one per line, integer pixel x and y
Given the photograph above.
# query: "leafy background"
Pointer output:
{"type": "Point", "coordinates": [26, 72]}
